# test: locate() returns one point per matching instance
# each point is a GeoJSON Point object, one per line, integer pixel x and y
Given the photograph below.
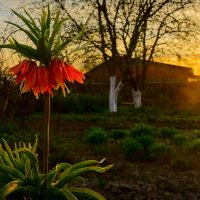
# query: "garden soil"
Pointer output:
{"type": "Point", "coordinates": [126, 180]}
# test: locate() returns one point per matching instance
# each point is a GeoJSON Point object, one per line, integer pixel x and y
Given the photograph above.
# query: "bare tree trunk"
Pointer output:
{"type": "Point", "coordinates": [137, 98]}
{"type": "Point", "coordinates": [113, 93]}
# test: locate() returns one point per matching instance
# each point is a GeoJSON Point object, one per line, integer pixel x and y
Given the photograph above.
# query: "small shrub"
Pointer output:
{"type": "Point", "coordinates": [179, 139]}
{"type": "Point", "coordinates": [140, 130]}
{"type": "Point", "coordinates": [196, 133]}
{"type": "Point", "coordinates": [131, 147]}
{"type": "Point", "coordinates": [167, 132]}
{"type": "Point", "coordinates": [193, 146]}
{"type": "Point", "coordinates": [97, 137]}
{"type": "Point", "coordinates": [118, 134]}
{"type": "Point", "coordinates": [146, 140]}
{"type": "Point", "coordinates": [162, 152]}
{"type": "Point", "coordinates": [192, 150]}
{"type": "Point", "coordinates": [144, 134]}
{"type": "Point", "coordinates": [147, 143]}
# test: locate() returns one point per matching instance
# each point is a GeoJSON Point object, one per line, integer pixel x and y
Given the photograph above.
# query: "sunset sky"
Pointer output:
{"type": "Point", "coordinates": [190, 52]}
{"type": "Point", "coordinates": [5, 6]}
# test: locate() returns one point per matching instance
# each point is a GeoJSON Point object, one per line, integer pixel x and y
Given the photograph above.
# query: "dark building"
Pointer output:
{"type": "Point", "coordinates": [156, 73]}
{"type": "Point", "coordinates": [161, 80]}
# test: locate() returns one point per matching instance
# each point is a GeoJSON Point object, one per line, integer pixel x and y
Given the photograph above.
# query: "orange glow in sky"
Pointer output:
{"type": "Point", "coordinates": [189, 52]}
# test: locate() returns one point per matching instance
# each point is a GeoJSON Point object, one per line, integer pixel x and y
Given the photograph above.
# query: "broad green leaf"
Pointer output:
{"type": "Point", "coordinates": [53, 173]}
{"type": "Point", "coordinates": [27, 167]}
{"type": "Point", "coordinates": [8, 46]}
{"type": "Point", "coordinates": [80, 34]}
{"type": "Point", "coordinates": [83, 46]}
{"type": "Point", "coordinates": [57, 18]}
{"type": "Point", "coordinates": [57, 42]}
{"type": "Point", "coordinates": [51, 177]}
{"type": "Point", "coordinates": [70, 196]}
{"type": "Point", "coordinates": [78, 166]}
{"type": "Point", "coordinates": [1, 149]}
{"type": "Point", "coordinates": [48, 20]}
{"type": "Point", "coordinates": [29, 146]}
{"type": "Point", "coordinates": [28, 33]}
{"type": "Point", "coordinates": [34, 147]}
{"type": "Point", "coordinates": [36, 180]}
{"type": "Point", "coordinates": [56, 29]}
{"type": "Point", "coordinates": [24, 145]}
{"type": "Point", "coordinates": [33, 28]}
{"type": "Point", "coordinates": [16, 152]}
{"type": "Point", "coordinates": [43, 22]}
{"type": "Point", "coordinates": [32, 158]}
{"type": "Point", "coordinates": [53, 193]}
{"type": "Point", "coordinates": [104, 169]}
{"type": "Point", "coordinates": [5, 159]}
{"type": "Point", "coordinates": [59, 48]}
{"type": "Point", "coordinates": [32, 20]}
{"type": "Point", "coordinates": [9, 188]}
{"type": "Point", "coordinates": [67, 41]}
{"type": "Point", "coordinates": [12, 171]}
{"type": "Point", "coordinates": [85, 193]}
{"type": "Point", "coordinates": [1, 160]}
{"type": "Point", "coordinates": [43, 51]}
{"type": "Point", "coordinates": [62, 166]}
{"type": "Point", "coordinates": [9, 152]}
{"type": "Point", "coordinates": [79, 172]}
{"type": "Point", "coordinates": [5, 179]}
{"type": "Point", "coordinates": [31, 191]}
{"type": "Point", "coordinates": [26, 50]}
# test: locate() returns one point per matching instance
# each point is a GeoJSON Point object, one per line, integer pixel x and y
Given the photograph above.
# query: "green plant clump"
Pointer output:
{"type": "Point", "coordinates": [117, 134]}
{"type": "Point", "coordinates": [162, 151]}
{"type": "Point", "coordinates": [131, 148]}
{"type": "Point", "coordinates": [20, 177]}
{"type": "Point", "coordinates": [167, 133]}
{"type": "Point", "coordinates": [179, 139]}
{"type": "Point", "coordinates": [144, 134]}
{"type": "Point", "coordinates": [194, 146]}
{"type": "Point", "coordinates": [96, 136]}
{"type": "Point", "coordinates": [140, 130]}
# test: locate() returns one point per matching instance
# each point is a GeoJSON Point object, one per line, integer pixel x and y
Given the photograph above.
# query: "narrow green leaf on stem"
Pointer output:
{"type": "Point", "coordinates": [85, 193]}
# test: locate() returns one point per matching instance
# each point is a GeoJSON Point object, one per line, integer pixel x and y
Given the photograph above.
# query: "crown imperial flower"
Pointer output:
{"type": "Point", "coordinates": [43, 79]}
{"type": "Point", "coordinates": [52, 72]}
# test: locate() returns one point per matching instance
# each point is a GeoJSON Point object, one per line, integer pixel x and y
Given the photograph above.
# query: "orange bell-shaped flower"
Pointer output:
{"type": "Point", "coordinates": [42, 79]}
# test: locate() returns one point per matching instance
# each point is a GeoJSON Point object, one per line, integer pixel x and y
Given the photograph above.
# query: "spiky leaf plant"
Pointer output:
{"type": "Point", "coordinates": [20, 176]}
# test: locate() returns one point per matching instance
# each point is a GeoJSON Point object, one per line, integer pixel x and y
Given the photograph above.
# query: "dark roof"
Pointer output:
{"type": "Point", "coordinates": [170, 66]}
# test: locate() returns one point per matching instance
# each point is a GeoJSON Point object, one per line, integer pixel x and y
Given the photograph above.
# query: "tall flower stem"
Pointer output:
{"type": "Point", "coordinates": [46, 135]}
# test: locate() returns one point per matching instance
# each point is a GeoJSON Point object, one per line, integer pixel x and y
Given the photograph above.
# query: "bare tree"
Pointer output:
{"type": "Point", "coordinates": [135, 31]}
{"type": "Point", "coordinates": [129, 34]}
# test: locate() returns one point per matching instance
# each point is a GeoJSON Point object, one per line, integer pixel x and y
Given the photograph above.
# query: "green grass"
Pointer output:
{"type": "Point", "coordinates": [154, 132]}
